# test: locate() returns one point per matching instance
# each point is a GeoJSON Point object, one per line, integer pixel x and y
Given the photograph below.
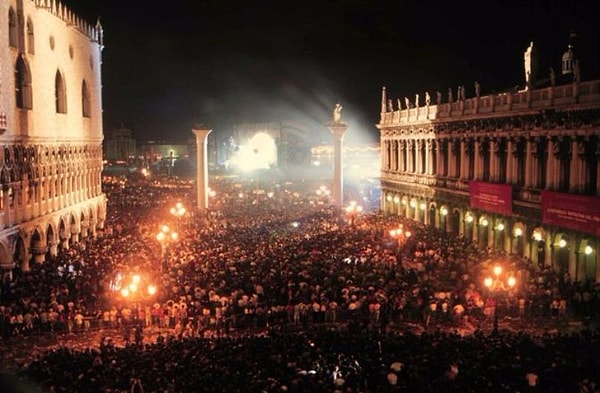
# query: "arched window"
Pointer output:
{"type": "Point", "coordinates": [85, 100]}
{"type": "Point", "coordinates": [60, 93]}
{"type": "Point", "coordinates": [12, 27]}
{"type": "Point", "coordinates": [23, 84]}
{"type": "Point", "coordinates": [30, 41]}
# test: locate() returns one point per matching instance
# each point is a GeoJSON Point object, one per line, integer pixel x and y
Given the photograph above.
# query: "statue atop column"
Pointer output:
{"type": "Point", "coordinates": [337, 113]}
{"type": "Point", "coordinates": [530, 63]}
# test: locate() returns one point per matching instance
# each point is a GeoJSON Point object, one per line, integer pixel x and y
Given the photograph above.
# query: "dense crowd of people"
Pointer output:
{"type": "Point", "coordinates": [329, 301]}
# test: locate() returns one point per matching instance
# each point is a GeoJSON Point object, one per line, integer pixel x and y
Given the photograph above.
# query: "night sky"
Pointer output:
{"type": "Point", "coordinates": [170, 65]}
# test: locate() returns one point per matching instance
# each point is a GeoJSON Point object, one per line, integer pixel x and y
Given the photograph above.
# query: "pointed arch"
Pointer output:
{"type": "Point", "coordinates": [85, 100]}
{"type": "Point", "coordinates": [12, 27]}
{"type": "Point", "coordinates": [23, 88]}
{"type": "Point", "coordinates": [60, 93]}
{"type": "Point", "coordinates": [30, 37]}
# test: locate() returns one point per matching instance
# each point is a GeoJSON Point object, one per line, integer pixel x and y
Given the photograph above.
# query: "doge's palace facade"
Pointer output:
{"type": "Point", "coordinates": [517, 172]}
{"type": "Point", "coordinates": [50, 130]}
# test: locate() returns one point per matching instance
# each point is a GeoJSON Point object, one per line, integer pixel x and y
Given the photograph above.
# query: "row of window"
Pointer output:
{"type": "Point", "coordinates": [13, 31]}
{"type": "Point", "coordinates": [24, 96]}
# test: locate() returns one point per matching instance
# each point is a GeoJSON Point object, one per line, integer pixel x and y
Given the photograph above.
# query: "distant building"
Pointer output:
{"type": "Point", "coordinates": [516, 172]}
{"type": "Point", "coordinates": [293, 141]}
{"type": "Point", "coordinates": [50, 130]}
{"type": "Point", "coordinates": [119, 145]}
{"type": "Point", "coordinates": [162, 156]}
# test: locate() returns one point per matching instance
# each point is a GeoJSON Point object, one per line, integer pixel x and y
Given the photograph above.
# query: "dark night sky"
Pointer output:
{"type": "Point", "coordinates": [169, 65]}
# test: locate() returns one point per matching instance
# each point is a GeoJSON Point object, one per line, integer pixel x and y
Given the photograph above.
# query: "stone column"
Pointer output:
{"type": "Point", "coordinates": [410, 154]}
{"type": "Point", "coordinates": [384, 154]}
{"type": "Point", "coordinates": [552, 166]}
{"type": "Point", "coordinates": [429, 157]}
{"type": "Point", "coordinates": [404, 163]}
{"type": "Point", "coordinates": [464, 161]}
{"type": "Point", "coordinates": [494, 159]}
{"type": "Point", "coordinates": [338, 129]}
{"type": "Point", "coordinates": [387, 154]}
{"type": "Point", "coordinates": [478, 160]}
{"type": "Point", "coordinates": [531, 163]}
{"type": "Point", "coordinates": [512, 153]}
{"type": "Point", "coordinates": [395, 156]}
{"type": "Point", "coordinates": [418, 160]}
{"type": "Point", "coordinates": [201, 134]}
{"type": "Point", "coordinates": [451, 158]}
{"type": "Point", "coordinates": [578, 171]}
{"type": "Point", "coordinates": [439, 158]}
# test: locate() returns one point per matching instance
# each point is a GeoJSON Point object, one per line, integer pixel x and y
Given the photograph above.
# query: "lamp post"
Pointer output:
{"type": "Point", "coordinates": [136, 291]}
{"type": "Point", "coordinates": [496, 286]}
{"type": "Point", "coordinates": [400, 235]}
{"type": "Point", "coordinates": [353, 209]}
{"type": "Point", "coordinates": [322, 194]}
{"type": "Point", "coordinates": [165, 237]}
{"type": "Point", "coordinates": [178, 211]}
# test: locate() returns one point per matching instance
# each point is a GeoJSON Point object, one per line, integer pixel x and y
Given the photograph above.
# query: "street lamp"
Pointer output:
{"type": "Point", "coordinates": [178, 211]}
{"type": "Point", "coordinates": [165, 237]}
{"type": "Point", "coordinates": [496, 286]}
{"type": "Point", "coordinates": [353, 209]}
{"type": "Point", "coordinates": [136, 291]}
{"type": "Point", "coordinates": [322, 194]}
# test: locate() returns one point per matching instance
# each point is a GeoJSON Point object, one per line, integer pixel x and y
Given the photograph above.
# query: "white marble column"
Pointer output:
{"type": "Point", "coordinates": [531, 163]}
{"type": "Point", "coordinates": [511, 161]}
{"type": "Point", "coordinates": [464, 161]}
{"type": "Point", "coordinates": [202, 167]}
{"type": "Point", "coordinates": [410, 153]}
{"type": "Point", "coordinates": [338, 129]}
{"type": "Point", "coordinates": [418, 159]}
{"type": "Point", "coordinates": [578, 176]}
{"type": "Point", "coordinates": [451, 159]}
{"type": "Point", "coordinates": [429, 164]}
{"type": "Point", "coordinates": [552, 164]}
{"type": "Point", "coordinates": [439, 158]}
{"type": "Point", "coordinates": [478, 160]}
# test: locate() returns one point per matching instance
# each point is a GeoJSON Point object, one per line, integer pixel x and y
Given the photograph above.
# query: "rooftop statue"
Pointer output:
{"type": "Point", "coordinates": [337, 113]}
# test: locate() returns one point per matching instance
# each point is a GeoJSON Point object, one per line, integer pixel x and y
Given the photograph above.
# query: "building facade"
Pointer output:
{"type": "Point", "coordinates": [119, 145]}
{"type": "Point", "coordinates": [515, 172]}
{"type": "Point", "coordinates": [50, 131]}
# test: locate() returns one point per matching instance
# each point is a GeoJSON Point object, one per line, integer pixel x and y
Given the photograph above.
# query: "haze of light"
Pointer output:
{"type": "Point", "coordinates": [259, 152]}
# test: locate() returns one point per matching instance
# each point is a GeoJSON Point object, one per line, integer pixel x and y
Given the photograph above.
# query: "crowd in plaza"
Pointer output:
{"type": "Point", "coordinates": [278, 291]}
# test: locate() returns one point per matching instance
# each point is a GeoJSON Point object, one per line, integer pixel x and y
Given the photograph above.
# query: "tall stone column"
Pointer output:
{"type": "Point", "coordinates": [552, 165]}
{"type": "Point", "coordinates": [531, 163]}
{"type": "Point", "coordinates": [338, 129]}
{"type": "Point", "coordinates": [439, 158]}
{"type": "Point", "coordinates": [511, 161]}
{"type": "Point", "coordinates": [479, 151]}
{"type": "Point", "coordinates": [202, 167]}
{"type": "Point", "coordinates": [386, 155]}
{"type": "Point", "coordinates": [393, 159]}
{"type": "Point", "coordinates": [463, 168]}
{"type": "Point", "coordinates": [429, 164]}
{"type": "Point", "coordinates": [418, 159]}
{"type": "Point", "coordinates": [410, 155]}
{"type": "Point", "coordinates": [451, 158]}
{"type": "Point", "coordinates": [578, 176]}
{"type": "Point", "coordinates": [494, 159]}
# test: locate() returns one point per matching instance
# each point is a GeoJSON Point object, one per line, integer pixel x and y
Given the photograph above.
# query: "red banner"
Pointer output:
{"type": "Point", "coordinates": [577, 212]}
{"type": "Point", "coordinates": [492, 197]}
